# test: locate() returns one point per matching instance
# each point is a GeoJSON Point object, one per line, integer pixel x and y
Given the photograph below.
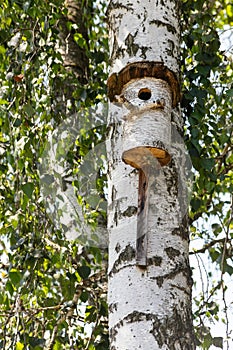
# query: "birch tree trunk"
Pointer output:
{"type": "Point", "coordinates": [149, 275]}
{"type": "Point", "coordinates": [74, 56]}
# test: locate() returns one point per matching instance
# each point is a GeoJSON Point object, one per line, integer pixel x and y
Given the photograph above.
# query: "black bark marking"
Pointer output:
{"type": "Point", "coordinates": [169, 27]}
{"type": "Point", "coordinates": [116, 6]}
{"type": "Point", "coordinates": [128, 254]}
{"type": "Point", "coordinates": [130, 211]}
{"type": "Point", "coordinates": [112, 307]}
{"type": "Point", "coordinates": [113, 193]}
{"type": "Point", "coordinates": [172, 253]}
{"type": "Point", "coordinates": [144, 50]}
{"type": "Point", "coordinates": [179, 269]}
{"type": "Point", "coordinates": [116, 217]}
{"type": "Point", "coordinates": [170, 47]}
{"type": "Point", "coordinates": [159, 222]}
{"type": "Point", "coordinates": [132, 48]}
{"type": "Point", "coordinates": [171, 176]}
{"type": "Point", "coordinates": [174, 331]}
{"type": "Point", "coordinates": [182, 230]}
{"type": "Point", "coordinates": [154, 261]}
{"type": "Point", "coordinates": [118, 247]}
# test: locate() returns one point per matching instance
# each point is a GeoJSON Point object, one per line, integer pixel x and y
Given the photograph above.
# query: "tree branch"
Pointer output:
{"type": "Point", "coordinates": [208, 245]}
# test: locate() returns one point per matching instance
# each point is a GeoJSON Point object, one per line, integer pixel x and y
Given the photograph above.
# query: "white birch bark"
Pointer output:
{"type": "Point", "coordinates": [149, 307]}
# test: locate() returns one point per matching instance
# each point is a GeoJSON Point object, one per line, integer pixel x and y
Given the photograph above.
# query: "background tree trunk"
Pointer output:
{"type": "Point", "coordinates": [149, 305]}
{"type": "Point", "coordinates": [74, 55]}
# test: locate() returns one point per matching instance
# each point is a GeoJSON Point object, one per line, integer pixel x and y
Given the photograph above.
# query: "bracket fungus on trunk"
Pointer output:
{"type": "Point", "coordinates": [149, 91]}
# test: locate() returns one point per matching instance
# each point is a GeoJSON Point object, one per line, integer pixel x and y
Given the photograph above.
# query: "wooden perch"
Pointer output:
{"type": "Point", "coordinates": [142, 217]}
{"type": "Point", "coordinates": [147, 160]}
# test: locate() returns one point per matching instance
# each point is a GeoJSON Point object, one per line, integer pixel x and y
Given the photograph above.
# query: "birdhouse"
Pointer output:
{"type": "Point", "coordinates": [147, 126]}
{"type": "Point", "coordinates": [148, 91]}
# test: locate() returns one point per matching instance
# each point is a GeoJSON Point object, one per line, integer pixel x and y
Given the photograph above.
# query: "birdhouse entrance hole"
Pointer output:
{"type": "Point", "coordinates": [144, 94]}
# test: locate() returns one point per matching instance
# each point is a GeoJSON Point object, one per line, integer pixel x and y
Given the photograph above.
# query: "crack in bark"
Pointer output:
{"type": "Point", "coordinates": [144, 50]}
{"type": "Point", "coordinates": [116, 51]}
{"type": "Point", "coordinates": [129, 212]}
{"type": "Point", "coordinates": [183, 289]}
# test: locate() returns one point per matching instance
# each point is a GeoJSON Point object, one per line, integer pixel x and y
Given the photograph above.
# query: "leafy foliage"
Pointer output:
{"type": "Point", "coordinates": [207, 70]}
{"type": "Point", "coordinates": [53, 292]}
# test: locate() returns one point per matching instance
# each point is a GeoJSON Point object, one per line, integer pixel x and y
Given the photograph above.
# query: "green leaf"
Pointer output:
{"type": "Point", "coordinates": [229, 93]}
{"type": "Point", "coordinates": [28, 189]}
{"type": "Point", "coordinates": [228, 269]}
{"type": "Point", "coordinates": [17, 122]}
{"type": "Point", "coordinates": [19, 346]}
{"type": "Point", "coordinates": [15, 277]}
{"type": "Point", "coordinates": [197, 146]}
{"type": "Point", "coordinates": [37, 342]}
{"type": "Point", "coordinates": [29, 110]}
{"type": "Point", "coordinates": [84, 271]}
{"type": "Point", "coordinates": [57, 345]}
{"type": "Point", "coordinates": [218, 342]}
{"type": "Point", "coordinates": [47, 179]}
{"type": "Point", "coordinates": [3, 168]}
{"type": "Point", "coordinates": [3, 102]}
{"type": "Point", "coordinates": [207, 341]}
{"type": "Point", "coordinates": [9, 287]}
{"type": "Point", "coordinates": [195, 203]}
{"type": "Point", "coordinates": [84, 297]}
{"type": "Point", "coordinates": [2, 50]}
{"type": "Point", "coordinates": [207, 164]}
{"type": "Point", "coordinates": [214, 254]}
{"type": "Point", "coordinates": [14, 219]}
{"type": "Point", "coordinates": [80, 40]}
{"type": "Point", "coordinates": [195, 132]}
{"type": "Point", "coordinates": [196, 162]}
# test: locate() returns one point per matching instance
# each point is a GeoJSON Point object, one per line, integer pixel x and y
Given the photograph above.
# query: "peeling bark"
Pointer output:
{"type": "Point", "coordinates": [149, 308]}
